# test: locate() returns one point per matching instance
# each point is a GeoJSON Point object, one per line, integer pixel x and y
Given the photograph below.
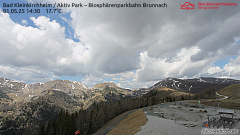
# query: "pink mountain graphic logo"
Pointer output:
{"type": "Point", "coordinates": [187, 6]}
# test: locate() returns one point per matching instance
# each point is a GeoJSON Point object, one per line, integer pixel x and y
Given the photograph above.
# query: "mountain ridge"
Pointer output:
{"type": "Point", "coordinates": [36, 103]}
{"type": "Point", "coordinates": [193, 85]}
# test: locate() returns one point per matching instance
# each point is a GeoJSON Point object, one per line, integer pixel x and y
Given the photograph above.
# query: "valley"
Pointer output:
{"type": "Point", "coordinates": [33, 105]}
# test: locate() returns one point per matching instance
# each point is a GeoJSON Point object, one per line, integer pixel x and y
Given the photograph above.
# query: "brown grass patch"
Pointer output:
{"type": "Point", "coordinates": [131, 124]}
{"type": "Point", "coordinates": [233, 91]}
{"type": "Point", "coordinates": [179, 93]}
{"type": "Point", "coordinates": [173, 91]}
{"type": "Point", "coordinates": [12, 96]}
{"type": "Point", "coordinates": [230, 104]}
{"type": "Point", "coordinates": [165, 89]}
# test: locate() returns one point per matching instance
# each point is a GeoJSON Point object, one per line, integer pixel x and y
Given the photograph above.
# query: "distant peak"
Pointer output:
{"type": "Point", "coordinates": [105, 84]}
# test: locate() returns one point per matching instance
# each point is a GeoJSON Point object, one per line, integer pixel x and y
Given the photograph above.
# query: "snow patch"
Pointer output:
{"type": "Point", "coordinates": [84, 86]}
{"type": "Point", "coordinates": [75, 82]}
{"type": "Point", "coordinates": [15, 81]}
{"type": "Point", "coordinates": [73, 87]}
{"type": "Point", "coordinates": [190, 88]}
{"type": "Point", "coordinates": [201, 80]}
{"type": "Point", "coordinates": [30, 96]}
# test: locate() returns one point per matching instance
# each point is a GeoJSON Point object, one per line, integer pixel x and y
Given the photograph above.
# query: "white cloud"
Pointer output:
{"type": "Point", "coordinates": [24, 22]}
{"type": "Point", "coordinates": [232, 69]}
{"type": "Point", "coordinates": [29, 74]}
{"type": "Point", "coordinates": [91, 80]}
{"type": "Point", "coordinates": [215, 69]}
{"type": "Point", "coordinates": [44, 48]}
{"type": "Point", "coordinates": [178, 66]}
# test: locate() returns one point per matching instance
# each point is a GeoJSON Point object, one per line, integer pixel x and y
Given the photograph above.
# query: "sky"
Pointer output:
{"type": "Point", "coordinates": [133, 47]}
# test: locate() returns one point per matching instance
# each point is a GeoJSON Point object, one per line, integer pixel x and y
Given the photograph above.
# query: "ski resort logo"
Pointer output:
{"type": "Point", "coordinates": [187, 6]}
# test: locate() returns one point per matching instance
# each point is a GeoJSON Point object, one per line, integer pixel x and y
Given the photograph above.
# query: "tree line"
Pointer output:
{"type": "Point", "coordinates": [98, 114]}
{"type": "Point", "coordinates": [90, 120]}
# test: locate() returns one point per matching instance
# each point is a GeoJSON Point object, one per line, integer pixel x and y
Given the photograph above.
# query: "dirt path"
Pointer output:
{"type": "Point", "coordinates": [113, 123]}
{"type": "Point", "coordinates": [225, 97]}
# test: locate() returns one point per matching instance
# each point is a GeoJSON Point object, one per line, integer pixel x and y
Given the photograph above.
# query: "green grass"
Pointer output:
{"type": "Point", "coordinates": [230, 104]}
{"type": "Point", "coordinates": [233, 102]}
{"type": "Point", "coordinates": [233, 91]}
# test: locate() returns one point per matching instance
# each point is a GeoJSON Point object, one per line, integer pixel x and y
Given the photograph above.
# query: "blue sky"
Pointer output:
{"type": "Point", "coordinates": [59, 17]}
{"type": "Point", "coordinates": [134, 50]}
